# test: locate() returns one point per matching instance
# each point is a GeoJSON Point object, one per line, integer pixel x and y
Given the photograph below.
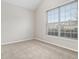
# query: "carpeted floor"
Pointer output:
{"type": "Point", "coordinates": [34, 49]}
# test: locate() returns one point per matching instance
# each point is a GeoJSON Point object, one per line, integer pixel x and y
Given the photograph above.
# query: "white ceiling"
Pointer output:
{"type": "Point", "coordinates": [29, 4]}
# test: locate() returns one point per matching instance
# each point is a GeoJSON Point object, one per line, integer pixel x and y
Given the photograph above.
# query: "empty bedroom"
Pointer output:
{"type": "Point", "coordinates": [39, 29]}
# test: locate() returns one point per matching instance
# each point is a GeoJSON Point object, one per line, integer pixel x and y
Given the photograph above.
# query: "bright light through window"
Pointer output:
{"type": "Point", "coordinates": [62, 21]}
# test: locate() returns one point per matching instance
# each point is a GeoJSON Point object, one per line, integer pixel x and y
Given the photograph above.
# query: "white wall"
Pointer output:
{"type": "Point", "coordinates": [41, 22]}
{"type": "Point", "coordinates": [16, 23]}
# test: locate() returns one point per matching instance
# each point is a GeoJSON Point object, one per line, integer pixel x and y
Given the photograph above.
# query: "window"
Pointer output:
{"type": "Point", "coordinates": [53, 15]}
{"type": "Point", "coordinates": [62, 21]}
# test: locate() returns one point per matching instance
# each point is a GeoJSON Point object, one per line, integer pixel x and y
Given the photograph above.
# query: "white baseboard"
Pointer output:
{"type": "Point", "coordinates": [43, 40]}
{"type": "Point", "coordinates": [26, 39]}
{"type": "Point", "coordinates": [40, 39]}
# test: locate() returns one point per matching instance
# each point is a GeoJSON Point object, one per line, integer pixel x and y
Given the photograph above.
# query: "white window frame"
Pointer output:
{"type": "Point", "coordinates": [59, 21]}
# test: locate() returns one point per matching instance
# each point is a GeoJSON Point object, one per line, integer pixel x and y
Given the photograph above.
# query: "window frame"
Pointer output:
{"type": "Point", "coordinates": [59, 22]}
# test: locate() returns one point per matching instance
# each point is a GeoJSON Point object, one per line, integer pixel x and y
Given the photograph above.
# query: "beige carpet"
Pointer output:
{"type": "Point", "coordinates": [34, 49]}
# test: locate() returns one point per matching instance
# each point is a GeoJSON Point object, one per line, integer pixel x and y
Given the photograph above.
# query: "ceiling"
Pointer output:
{"type": "Point", "coordinates": [29, 4]}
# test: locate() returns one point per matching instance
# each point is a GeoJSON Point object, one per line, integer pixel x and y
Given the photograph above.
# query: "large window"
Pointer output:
{"type": "Point", "coordinates": [63, 21]}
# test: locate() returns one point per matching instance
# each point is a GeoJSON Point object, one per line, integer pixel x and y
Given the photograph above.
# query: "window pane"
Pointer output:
{"type": "Point", "coordinates": [53, 16]}
{"type": "Point", "coordinates": [53, 22]}
{"type": "Point", "coordinates": [62, 34]}
{"type": "Point", "coordinates": [65, 26]}
{"type": "Point", "coordinates": [67, 12]}
{"type": "Point", "coordinates": [67, 35]}
{"type": "Point", "coordinates": [56, 15]}
{"type": "Point", "coordinates": [53, 33]}
{"type": "Point", "coordinates": [53, 29]}
{"type": "Point", "coordinates": [62, 14]}
{"type": "Point", "coordinates": [74, 5]}
{"type": "Point", "coordinates": [74, 11]}
{"type": "Point", "coordinates": [56, 33]}
{"type": "Point", "coordinates": [49, 17]}
{"type": "Point", "coordinates": [74, 35]}
{"type": "Point", "coordinates": [68, 20]}
{"type": "Point", "coordinates": [74, 14]}
{"type": "Point", "coordinates": [50, 33]}
{"type": "Point", "coordinates": [75, 30]}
